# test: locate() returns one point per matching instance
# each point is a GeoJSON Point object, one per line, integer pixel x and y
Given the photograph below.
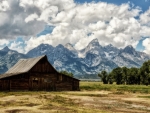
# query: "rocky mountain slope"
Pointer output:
{"type": "Point", "coordinates": [88, 61]}
{"type": "Point", "coordinates": [8, 58]}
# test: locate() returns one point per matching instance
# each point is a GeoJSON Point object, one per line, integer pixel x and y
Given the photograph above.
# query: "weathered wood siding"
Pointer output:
{"type": "Point", "coordinates": [42, 76]}
{"type": "Point", "coordinates": [4, 84]}
{"type": "Point", "coordinates": [43, 67]}
{"type": "Point", "coordinates": [21, 84]}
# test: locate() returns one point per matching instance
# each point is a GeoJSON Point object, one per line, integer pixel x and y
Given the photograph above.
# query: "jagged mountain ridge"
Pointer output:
{"type": "Point", "coordinates": [8, 58]}
{"type": "Point", "coordinates": [90, 60]}
{"type": "Point", "coordinates": [93, 58]}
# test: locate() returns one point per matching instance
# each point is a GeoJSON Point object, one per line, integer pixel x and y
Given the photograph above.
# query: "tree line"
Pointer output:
{"type": "Point", "coordinates": [129, 76]}
{"type": "Point", "coordinates": [66, 73]}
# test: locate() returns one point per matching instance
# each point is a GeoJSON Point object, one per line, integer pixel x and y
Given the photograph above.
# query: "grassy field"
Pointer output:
{"type": "Point", "coordinates": [90, 86]}
{"type": "Point", "coordinates": [94, 97]}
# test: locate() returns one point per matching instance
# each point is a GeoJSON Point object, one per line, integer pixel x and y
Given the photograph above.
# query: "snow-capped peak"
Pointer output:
{"type": "Point", "coordinates": [69, 47]}
{"type": "Point", "coordinates": [91, 60]}
{"type": "Point", "coordinates": [129, 49]}
{"type": "Point", "coordinates": [72, 49]}
{"type": "Point", "coordinates": [93, 43]}
{"type": "Point", "coordinates": [110, 45]}
{"type": "Point", "coordinates": [129, 46]}
{"type": "Point", "coordinates": [93, 47]}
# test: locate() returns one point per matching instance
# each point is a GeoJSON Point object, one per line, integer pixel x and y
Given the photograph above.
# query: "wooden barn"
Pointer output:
{"type": "Point", "coordinates": [36, 74]}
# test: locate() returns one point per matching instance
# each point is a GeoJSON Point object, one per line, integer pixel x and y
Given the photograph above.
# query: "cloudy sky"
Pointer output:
{"type": "Point", "coordinates": [24, 24]}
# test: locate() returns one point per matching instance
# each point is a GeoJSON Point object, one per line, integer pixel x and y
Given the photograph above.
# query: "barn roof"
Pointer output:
{"type": "Point", "coordinates": [8, 75]}
{"type": "Point", "coordinates": [22, 66]}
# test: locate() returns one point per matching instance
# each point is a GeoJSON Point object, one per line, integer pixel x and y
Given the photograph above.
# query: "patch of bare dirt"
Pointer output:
{"type": "Point", "coordinates": [76, 102]}
{"type": "Point", "coordinates": [124, 103]}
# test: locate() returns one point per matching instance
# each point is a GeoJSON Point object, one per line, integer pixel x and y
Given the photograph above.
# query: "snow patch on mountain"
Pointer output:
{"type": "Point", "coordinates": [91, 60]}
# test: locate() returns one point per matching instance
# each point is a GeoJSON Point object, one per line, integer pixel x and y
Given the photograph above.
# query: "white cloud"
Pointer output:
{"type": "Point", "coordinates": [145, 31]}
{"type": "Point", "coordinates": [44, 4]}
{"type": "Point", "coordinates": [107, 22]}
{"type": "Point", "coordinates": [31, 17]}
{"type": "Point", "coordinates": [16, 46]}
{"type": "Point", "coordinates": [145, 17]}
{"type": "Point", "coordinates": [97, 26]}
{"type": "Point", "coordinates": [146, 44]}
{"type": "Point", "coordinates": [34, 42]}
{"type": "Point", "coordinates": [4, 18]}
{"type": "Point", "coordinates": [4, 5]}
{"type": "Point", "coordinates": [49, 13]}
{"type": "Point", "coordinates": [4, 42]}
{"type": "Point", "coordinates": [75, 23]}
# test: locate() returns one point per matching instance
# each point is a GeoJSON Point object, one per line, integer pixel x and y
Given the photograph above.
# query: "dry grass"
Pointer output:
{"type": "Point", "coordinates": [84, 101]}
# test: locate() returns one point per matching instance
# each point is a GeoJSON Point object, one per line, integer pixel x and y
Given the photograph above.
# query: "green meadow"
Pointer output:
{"type": "Point", "coordinates": [91, 86]}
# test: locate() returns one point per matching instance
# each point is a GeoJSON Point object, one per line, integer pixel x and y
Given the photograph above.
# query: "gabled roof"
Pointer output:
{"type": "Point", "coordinates": [8, 75]}
{"type": "Point", "coordinates": [22, 66]}
{"type": "Point", "coordinates": [25, 65]}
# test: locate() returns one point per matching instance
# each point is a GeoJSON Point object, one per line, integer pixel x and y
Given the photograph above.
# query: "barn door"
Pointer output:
{"type": "Point", "coordinates": [48, 84]}
{"type": "Point", "coordinates": [41, 84]}
{"type": "Point", "coordinates": [35, 84]}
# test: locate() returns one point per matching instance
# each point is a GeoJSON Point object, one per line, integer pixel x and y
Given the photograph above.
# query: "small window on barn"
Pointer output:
{"type": "Point", "coordinates": [35, 80]}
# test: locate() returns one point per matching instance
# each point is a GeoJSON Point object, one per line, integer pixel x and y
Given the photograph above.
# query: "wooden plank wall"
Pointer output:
{"type": "Point", "coordinates": [4, 84]}
{"type": "Point", "coordinates": [52, 82]}
{"type": "Point", "coordinates": [39, 83]}
{"type": "Point", "coordinates": [43, 66]}
{"type": "Point", "coordinates": [21, 84]}
{"type": "Point", "coordinates": [47, 82]}
{"type": "Point", "coordinates": [44, 71]}
{"type": "Point", "coordinates": [41, 77]}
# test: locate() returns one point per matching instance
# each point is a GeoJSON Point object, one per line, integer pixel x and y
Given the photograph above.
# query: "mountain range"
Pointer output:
{"type": "Point", "coordinates": [85, 63]}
